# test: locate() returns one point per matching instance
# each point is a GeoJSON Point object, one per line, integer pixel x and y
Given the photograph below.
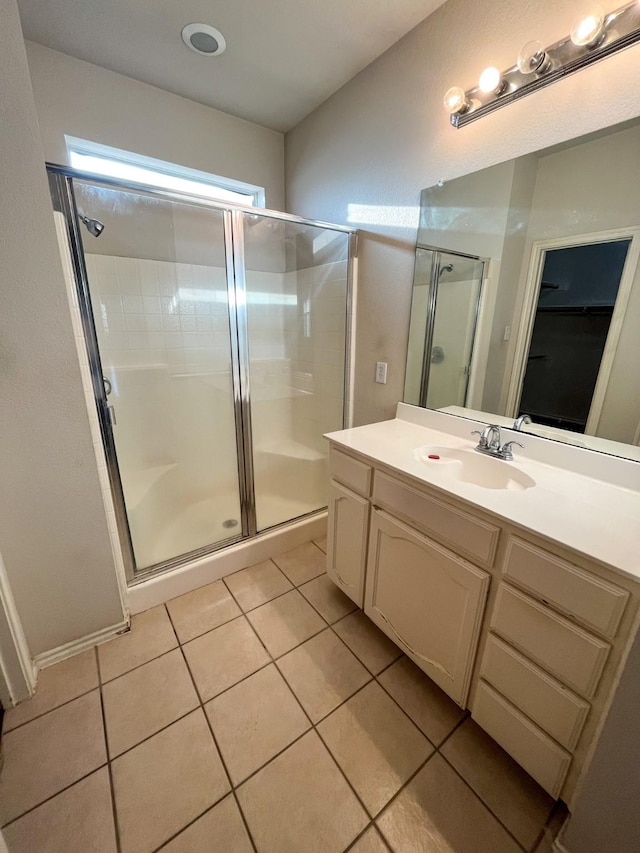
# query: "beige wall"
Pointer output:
{"type": "Point", "coordinates": [80, 99]}
{"type": "Point", "coordinates": [364, 155]}
{"type": "Point", "coordinates": [606, 816]}
{"type": "Point", "coordinates": [53, 530]}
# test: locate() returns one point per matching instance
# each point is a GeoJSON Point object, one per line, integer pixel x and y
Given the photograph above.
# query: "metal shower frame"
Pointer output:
{"type": "Point", "coordinates": [61, 182]}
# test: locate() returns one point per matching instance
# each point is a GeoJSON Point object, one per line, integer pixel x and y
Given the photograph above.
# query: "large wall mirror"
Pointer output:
{"type": "Point", "coordinates": [526, 297]}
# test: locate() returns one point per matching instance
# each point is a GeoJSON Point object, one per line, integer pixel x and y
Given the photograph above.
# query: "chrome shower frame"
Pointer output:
{"type": "Point", "coordinates": [61, 183]}
{"type": "Point", "coordinates": [436, 272]}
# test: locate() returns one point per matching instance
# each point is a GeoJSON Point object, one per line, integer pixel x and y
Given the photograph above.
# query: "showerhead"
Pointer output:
{"type": "Point", "coordinates": [94, 226]}
{"type": "Point", "coordinates": [447, 268]}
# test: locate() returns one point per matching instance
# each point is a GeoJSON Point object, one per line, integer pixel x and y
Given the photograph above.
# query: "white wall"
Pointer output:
{"type": "Point", "coordinates": [80, 99]}
{"type": "Point", "coordinates": [364, 155]}
{"type": "Point", "coordinates": [53, 531]}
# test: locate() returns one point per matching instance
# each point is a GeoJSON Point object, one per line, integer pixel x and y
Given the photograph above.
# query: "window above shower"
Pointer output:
{"type": "Point", "coordinates": [122, 165]}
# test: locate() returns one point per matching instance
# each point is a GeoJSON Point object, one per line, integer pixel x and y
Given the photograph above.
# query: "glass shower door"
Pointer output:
{"type": "Point", "coordinates": [457, 300]}
{"type": "Point", "coordinates": [157, 281]}
{"type": "Point", "coordinates": [295, 279]}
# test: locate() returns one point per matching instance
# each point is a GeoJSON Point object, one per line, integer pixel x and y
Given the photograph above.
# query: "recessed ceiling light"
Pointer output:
{"type": "Point", "coordinates": [203, 39]}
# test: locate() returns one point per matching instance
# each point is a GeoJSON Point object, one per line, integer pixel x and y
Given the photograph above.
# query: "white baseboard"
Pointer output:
{"type": "Point", "coordinates": [170, 584]}
{"type": "Point", "coordinates": [17, 671]}
{"type": "Point", "coordinates": [76, 646]}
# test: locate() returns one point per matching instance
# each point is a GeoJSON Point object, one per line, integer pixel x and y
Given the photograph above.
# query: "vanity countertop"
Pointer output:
{"type": "Point", "coordinates": [589, 515]}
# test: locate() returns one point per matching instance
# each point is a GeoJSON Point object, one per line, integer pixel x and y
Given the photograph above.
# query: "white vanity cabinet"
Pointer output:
{"type": "Point", "coordinates": [347, 540]}
{"type": "Point", "coordinates": [427, 599]}
{"type": "Point", "coordinates": [348, 527]}
{"type": "Point", "coordinates": [527, 634]}
{"type": "Point", "coordinates": [424, 596]}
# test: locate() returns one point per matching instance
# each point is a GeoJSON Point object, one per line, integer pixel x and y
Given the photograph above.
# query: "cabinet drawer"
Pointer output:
{"type": "Point", "coordinates": [558, 711]}
{"type": "Point", "coordinates": [543, 759]}
{"type": "Point", "coordinates": [467, 535]}
{"type": "Point", "coordinates": [594, 602]}
{"type": "Point", "coordinates": [350, 471]}
{"type": "Point", "coordinates": [347, 540]}
{"type": "Point", "coordinates": [559, 646]}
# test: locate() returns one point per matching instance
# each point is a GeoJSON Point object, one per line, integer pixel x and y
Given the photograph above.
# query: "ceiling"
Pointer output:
{"type": "Point", "coordinates": [283, 57]}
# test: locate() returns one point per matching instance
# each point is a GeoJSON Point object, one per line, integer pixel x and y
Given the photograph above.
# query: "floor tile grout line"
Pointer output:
{"type": "Point", "coordinates": [370, 817]}
{"type": "Point", "coordinates": [155, 657]}
{"type": "Point", "coordinates": [371, 826]}
{"type": "Point", "coordinates": [273, 758]}
{"type": "Point", "coordinates": [114, 810]}
{"type": "Point", "coordinates": [53, 796]}
{"type": "Point", "coordinates": [330, 624]}
{"type": "Point", "coordinates": [275, 658]}
{"type": "Point", "coordinates": [49, 711]}
{"type": "Point", "coordinates": [308, 580]}
{"type": "Point", "coordinates": [479, 798]}
{"type": "Point", "coordinates": [217, 746]}
{"type": "Point", "coordinates": [463, 718]}
{"type": "Point", "coordinates": [344, 701]}
{"type": "Point", "coordinates": [249, 609]}
{"type": "Point", "coordinates": [153, 734]}
{"type": "Point", "coordinates": [401, 789]}
{"type": "Point", "coordinates": [406, 713]}
{"type": "Point", "coordinates": [467, 716]}
{"type": "Point", "coordinates": [192, 821]}
{"type": "Point", "coordinates": [243, 817]}
{"type": "Point", "coordinates": [355, 654]}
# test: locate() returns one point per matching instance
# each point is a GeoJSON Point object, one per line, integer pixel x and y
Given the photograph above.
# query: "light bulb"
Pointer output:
{"type": "Point", "coordinates": [455, 101]}
{"type": "Point", "coordinates": [491, 81]}
{"type": "Point", "coordinates": [587, 31]}
{"type": "Point", "coordinates": [532, 58]}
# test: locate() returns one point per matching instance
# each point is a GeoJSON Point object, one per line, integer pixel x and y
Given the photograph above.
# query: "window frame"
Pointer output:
{"type": "Point", "coordinates": [255, 195]}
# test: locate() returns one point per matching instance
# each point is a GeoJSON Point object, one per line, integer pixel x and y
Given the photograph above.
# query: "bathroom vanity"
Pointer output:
{"type": "Point", "coordinates": [514, 585]}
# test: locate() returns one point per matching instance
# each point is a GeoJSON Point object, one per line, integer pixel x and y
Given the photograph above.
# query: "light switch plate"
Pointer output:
{"type": "Point", "coordinates": [381, 372]}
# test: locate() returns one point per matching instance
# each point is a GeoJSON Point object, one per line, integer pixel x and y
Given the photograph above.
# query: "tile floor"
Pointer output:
{"type": "Point", "coordinates": [259, 713]}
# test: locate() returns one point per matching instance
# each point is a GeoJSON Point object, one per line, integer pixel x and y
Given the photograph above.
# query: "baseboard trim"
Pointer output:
{"type": "Point", "coordinates": [163, 587]}
{"type": "Point", "coordinates": [557, 847]}
{"type": "Point", "coordinates": [18, 673]}
{"type": "Point", "coordinates": [76, 646]}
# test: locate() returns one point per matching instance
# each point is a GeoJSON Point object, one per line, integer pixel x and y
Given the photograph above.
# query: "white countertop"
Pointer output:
{"type": "Point", "coordinates": [599, 519]}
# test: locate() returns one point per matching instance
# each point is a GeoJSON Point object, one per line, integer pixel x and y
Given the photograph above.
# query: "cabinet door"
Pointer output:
{"type": "Point", "coordinates": [428, 600]}
{"type": "Point", "coordinates": [347, 540]}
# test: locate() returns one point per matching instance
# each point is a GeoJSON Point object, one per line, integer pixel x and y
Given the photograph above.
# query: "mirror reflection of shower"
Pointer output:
{"type": "Point", "coordinates": [444, 313]}
{"type": "Point", "coordinates": [93, 226]}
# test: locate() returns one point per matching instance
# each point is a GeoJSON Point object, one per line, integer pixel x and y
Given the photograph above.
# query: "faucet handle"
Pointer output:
{"type": "Point", "coordinates": [506, 451]}
{"type": "Point", "coordinates": [483, 438]}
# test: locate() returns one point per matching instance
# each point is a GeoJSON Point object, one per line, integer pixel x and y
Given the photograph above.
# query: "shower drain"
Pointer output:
{"type": "Point", "coordinates": [230, 522]}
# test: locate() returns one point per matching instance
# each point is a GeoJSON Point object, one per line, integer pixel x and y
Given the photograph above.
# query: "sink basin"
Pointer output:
{"type": "Point", "coordinates": [468, 466]}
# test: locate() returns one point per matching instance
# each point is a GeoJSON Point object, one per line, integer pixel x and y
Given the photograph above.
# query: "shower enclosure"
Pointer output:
{"type": "Point", "coordinates": [444, 313]}
{"type": "Point", "coordinates": [217, 339]}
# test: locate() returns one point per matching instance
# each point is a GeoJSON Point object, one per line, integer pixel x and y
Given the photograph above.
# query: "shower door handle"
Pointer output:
{"type": "Point", "coordinates": [109, 414]}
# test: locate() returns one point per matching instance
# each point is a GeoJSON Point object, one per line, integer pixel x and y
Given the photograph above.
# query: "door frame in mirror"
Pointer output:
{"type": "Point", "coordinates": [529, 303]}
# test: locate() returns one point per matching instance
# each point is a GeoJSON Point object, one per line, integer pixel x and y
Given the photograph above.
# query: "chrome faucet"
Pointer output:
{"type": "Point", "coordinates": [520, 422]}
{"type": "Point", "coordinates": [490, 443]}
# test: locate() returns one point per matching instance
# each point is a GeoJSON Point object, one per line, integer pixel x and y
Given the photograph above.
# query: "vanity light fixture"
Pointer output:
{"type": "Point", "coordinates": [492, 81]}
{"type": "Point", "coordinates": [594, 36]}
{"type": "Point", "coordinates": [455, 101]}
{"type": "Point", "coordinates": [588, 31]}
{"type": "Point", "coordinates": [533, 58]}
